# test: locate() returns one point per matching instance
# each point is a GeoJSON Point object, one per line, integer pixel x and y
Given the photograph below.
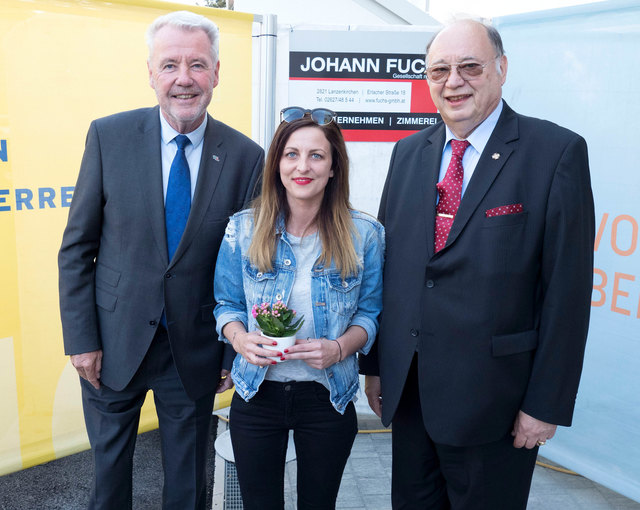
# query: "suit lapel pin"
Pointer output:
{"type": "Point", "coordinates": [495, 155]}
{"type": "Point", "coordinates": [215, 157]}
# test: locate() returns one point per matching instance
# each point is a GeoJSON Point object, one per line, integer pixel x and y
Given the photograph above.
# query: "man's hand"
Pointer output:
{"type": "Point", "coordinates": [528, 431]}
{"type": "Point", "coordinates": [89, 366]}
{"type": "Point", "coordinates": [373, 391]}
{"type": "Point", "coordinates": [226, 383]}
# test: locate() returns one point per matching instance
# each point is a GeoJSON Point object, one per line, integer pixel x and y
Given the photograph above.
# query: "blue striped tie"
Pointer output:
{"type": "Point", "coordinates": [178, 202]}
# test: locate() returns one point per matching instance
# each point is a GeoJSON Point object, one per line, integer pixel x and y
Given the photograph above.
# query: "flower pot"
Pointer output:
{"type": "Point", "coordinates": [283, 342]}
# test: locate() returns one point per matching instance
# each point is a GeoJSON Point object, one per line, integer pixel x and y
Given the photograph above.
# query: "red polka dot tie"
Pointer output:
{"type": "Point", "coordinates": [450, 192]}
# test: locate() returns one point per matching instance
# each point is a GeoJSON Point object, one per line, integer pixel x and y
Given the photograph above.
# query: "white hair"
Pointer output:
{"type": "Point", "coordinates": [186, 20]}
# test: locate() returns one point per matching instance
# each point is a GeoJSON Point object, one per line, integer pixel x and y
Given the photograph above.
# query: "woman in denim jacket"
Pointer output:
{"type": "Point", "coordinates": [302, 244]}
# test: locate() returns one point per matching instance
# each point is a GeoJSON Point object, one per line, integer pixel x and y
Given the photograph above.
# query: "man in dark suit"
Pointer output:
{"type": "Point", "coordinates": [137, 262]}
{"type": "Point", "coordinates": [489, 225]}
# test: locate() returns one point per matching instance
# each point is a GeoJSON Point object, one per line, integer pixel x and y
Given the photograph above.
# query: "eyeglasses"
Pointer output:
{"type": "Point", "coordinates": [439, 73]}
{"type": "Point", "coordinates": [320, 116]}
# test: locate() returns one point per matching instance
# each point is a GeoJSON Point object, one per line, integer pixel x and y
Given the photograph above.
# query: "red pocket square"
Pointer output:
{"type": "Point", "coordinates": [504, 209]}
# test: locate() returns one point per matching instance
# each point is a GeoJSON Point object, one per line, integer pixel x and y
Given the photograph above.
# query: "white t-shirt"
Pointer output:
{"type": "Point", "coordinates": [306, 251]}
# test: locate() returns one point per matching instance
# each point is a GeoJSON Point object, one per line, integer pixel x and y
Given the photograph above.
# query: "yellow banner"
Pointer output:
{"type": "Point", "coordinates": [63, 64]}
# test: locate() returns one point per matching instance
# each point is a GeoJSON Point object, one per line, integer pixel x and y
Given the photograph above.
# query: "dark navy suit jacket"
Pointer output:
{"type": "Point", "coordinates": [499, 317]}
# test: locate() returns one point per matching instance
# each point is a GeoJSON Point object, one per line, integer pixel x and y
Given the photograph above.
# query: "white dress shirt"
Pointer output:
{"type": "Point", "coordinates": [193, 151]}
{"type": "Point", "coordinates": [478, 140]}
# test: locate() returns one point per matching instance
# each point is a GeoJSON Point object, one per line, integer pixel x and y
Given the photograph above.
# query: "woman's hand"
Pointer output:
{"type": "Point", "coordinates": [248, 344]}
{"type": "Point", "coordinates": [316, 352]}
{"type": "Point", "coordinates": [322, 353]}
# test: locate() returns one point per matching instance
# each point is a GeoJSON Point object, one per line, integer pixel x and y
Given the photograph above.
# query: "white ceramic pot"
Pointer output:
{"type": "Point", "coordinates": [283, 342]}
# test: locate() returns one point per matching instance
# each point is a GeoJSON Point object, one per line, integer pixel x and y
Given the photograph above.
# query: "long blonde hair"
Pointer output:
{"type": "Point", "coordinates": [335, 226]}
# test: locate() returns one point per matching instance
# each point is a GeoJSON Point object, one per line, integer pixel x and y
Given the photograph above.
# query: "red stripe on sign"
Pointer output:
{"type": "Point", "coordinates": [420, 98]}
{"type": "Point", "coordinates": [375, 135]}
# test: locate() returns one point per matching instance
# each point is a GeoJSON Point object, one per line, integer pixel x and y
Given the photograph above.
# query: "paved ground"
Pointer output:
{"type": "Point", "coordinates": [366, 484]}
{"type": "Point", "coordinates": [64, 484]}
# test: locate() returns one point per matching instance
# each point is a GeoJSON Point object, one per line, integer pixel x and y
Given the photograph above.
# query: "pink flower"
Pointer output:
{"type": "Point", "coordinates": [276, 320]}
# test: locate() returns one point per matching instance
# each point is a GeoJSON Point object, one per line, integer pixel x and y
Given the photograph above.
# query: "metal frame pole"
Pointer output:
{"type": "Point", "coordinates": [268, 41]}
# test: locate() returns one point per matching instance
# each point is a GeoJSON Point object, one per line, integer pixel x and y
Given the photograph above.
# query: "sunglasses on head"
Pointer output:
{"type": "Point", "coordinates": [320, 116]}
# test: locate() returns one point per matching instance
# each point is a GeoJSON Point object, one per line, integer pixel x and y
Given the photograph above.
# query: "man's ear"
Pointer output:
{"type": "Point", "coordinates": [150, 75]}
{"type": "Point", "coordinates": [504, 64]}
{"type": "Point", "coordinates": [216, 75]}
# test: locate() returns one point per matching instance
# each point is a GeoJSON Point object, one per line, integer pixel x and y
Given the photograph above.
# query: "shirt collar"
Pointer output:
{"type": "Point", "coordinates": [167, 133]}
{"type": "Point", "coordinates": [480, 135]}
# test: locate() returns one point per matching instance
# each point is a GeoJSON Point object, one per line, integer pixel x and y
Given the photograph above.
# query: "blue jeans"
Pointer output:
{"type": "Point", "coordinates": [322, 436]}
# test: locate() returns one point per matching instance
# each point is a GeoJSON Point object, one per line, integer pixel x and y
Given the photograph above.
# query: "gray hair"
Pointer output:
{"type": "Point", "coordinates": [185, 20]}
{"type": "Point", "coordinates": [492, 34]}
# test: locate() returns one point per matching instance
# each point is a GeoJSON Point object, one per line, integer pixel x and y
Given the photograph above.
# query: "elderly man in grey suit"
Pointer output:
{"type": "Point", "coordinates": [155, 189]}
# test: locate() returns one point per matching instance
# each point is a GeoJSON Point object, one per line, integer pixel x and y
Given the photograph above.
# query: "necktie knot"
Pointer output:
{"type": "Point", "coordinates": [458, 147]}
{"type": "Point", "coordinates": [182, 141]}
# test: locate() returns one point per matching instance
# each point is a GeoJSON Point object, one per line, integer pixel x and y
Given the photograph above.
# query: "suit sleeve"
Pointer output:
{"type": "Point", "coordinates": [253, 189]}
{"type": "Point", "coordinates": [566, 286]}
{"type": "Point", "coordinates": [76, 259]}
{"type": "Point", "coordinates": [369, 363]}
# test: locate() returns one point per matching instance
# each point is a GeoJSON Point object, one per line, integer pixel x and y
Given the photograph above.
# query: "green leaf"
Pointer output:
{"type": "Point", "coordinates": [292, 330]}
{"type": "Point", "coordinates": [278, 326]}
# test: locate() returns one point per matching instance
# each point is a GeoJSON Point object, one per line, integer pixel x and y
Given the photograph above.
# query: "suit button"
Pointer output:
{"type": "Point", "coordinates": [152, 323]}
{"type": "Point", "coordinates": [430, 284]}
{"type": "Point", "coordinates": [287, 262]}
{"type": "Point", "coordinates": [168, 276]}
{"type": "Point", "coordinates": [278, 297]}
{"type": "Point", "coordinates": [414, 332]}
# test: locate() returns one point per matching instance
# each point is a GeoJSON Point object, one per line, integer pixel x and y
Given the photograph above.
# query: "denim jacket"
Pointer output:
{"type": "Point", "coordinates": [337, 303]}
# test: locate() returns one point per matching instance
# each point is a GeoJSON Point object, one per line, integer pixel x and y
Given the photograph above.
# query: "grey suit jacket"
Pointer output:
{"type": "Point", "coordinates": [115, 276]}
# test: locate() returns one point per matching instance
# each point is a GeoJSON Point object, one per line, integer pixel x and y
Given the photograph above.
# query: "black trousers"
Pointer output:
{"type": "Point", "coordinates": [112, 419]}
{"type": "Point", "coordinates": [259, 434]}
{"type": "Point", "coordinates": [432, 476]}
